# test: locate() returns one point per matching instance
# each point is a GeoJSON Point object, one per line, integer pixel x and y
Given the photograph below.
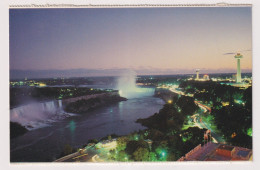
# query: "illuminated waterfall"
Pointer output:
{"type": "Point", "coordinates": [35, 114]}
{"type": "Point", "coordinates": [126, 84]}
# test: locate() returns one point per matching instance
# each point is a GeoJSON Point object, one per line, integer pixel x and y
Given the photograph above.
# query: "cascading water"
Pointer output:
{"type": "Point", "coordinates": [37, 115]}
{"type": "Point", "coordinates": [60, 104]}
{"type": "Point", "coordinates": [49, 107]}
{"type": "Point", "coordinates": [126, 84]}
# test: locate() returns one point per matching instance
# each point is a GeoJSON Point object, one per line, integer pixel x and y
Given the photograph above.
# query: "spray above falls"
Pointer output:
{"type": "Point", "coordinates": [126, 84]}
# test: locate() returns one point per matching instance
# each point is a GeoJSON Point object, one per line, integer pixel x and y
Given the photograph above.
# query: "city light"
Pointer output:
{"type": "Point", "coordinates": [249, 132]}
{"type": "Point", "coordinates": [136, 137]}
{"type": "Point", "coordinates": [163, 154]}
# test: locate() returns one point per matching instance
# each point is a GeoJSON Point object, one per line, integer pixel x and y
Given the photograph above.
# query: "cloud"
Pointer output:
{"type": "Point", "coordinates": [228, 53]}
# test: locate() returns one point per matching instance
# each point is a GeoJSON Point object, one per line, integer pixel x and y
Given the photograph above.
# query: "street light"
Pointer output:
{"type": "Point", "coordinates": [163, 154]}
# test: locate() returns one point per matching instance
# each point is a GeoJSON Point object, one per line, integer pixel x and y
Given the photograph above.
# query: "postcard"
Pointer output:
{"type": "Point", "coordinates": [130, 84]}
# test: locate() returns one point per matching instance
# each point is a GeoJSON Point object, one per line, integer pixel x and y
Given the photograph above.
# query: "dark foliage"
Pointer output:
{"type": "Point", "coordinates": [187, 105]}
{"type": "Point", "coordinates": [92, 141]}
{"type": "Point", "coordinates": [212, 91]}
{"type": "Point", "coordinates": [133, 145]}
{"type": "Point", "coordinates": [68, 149]}
{"type": "Point", "coordinates": [234, 120]}
{"type": "Point", "coordinates": [108, 137]}
{"type": "Point", "coordinates": [168, 118]}
{"type": "Point", "coordinates": [83, 106]}
{"type": "Point", "coordinates": [16, 130]}
{"type": "Point", "coordinates": [193, 137]}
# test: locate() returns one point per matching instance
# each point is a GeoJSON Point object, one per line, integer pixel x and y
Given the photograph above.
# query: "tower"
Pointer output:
{"type": "Point", "coordinates": [238, 56]}
{"type": "Point", "coordinates": [197, 74]}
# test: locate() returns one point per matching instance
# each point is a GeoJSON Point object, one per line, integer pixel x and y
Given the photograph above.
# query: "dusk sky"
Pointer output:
{"type": "Point", "coordinates": [148, 40]}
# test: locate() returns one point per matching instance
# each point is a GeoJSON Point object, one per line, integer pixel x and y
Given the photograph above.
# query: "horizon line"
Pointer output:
{"type": "Point", "coordinates": [169, 74]}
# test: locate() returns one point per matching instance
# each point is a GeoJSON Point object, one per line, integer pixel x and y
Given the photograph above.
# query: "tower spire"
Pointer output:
{"type": "Point", "coordinates": [197, 74]}
{"type": "Point", "coordinates": [238, 56]}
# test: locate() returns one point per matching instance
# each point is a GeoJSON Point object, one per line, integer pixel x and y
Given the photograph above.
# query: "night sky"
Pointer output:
{"type": "Point", "coordinates": [148, 40]}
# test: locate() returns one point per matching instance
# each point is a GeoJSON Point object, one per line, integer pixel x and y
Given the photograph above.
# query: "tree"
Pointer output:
{"type": "Point", "coordinates": [112, 154]}
{"type": "Point", "coordinates": [175, 145]}
{"type": "Point", "coordinates": [237, 120]}
{"type": "Point", "coordinates": [121, 143]}
{"type": "Point", "coordinates": [16, 129]}
{"type": "Point", "coordinates": [67, 149]}
{"type": "Point", "coordinates": [141, 154]}
{"type": "Point", "coordinates": [92, 141]}
{"type": "Point", "coordinates": [160, 148]}
{"type": "Point", "coordinates": [152, 156]}
{"type": "Point", "coordinates": [192, 137]}
{"type": "Point", "coordinates": [187, 105]}
{"type": "Point", "coordinates": [171, 157]}
{"type": "Point", "coordinates": [155, 135]}
{"type": "Point", "coordinates": [167, 119]}
{"type": "Point", "coordinates": [242, 140]}
{"type": "Point", "coordinates": [133, 145]}
{"type": "Point", "coordinates": [247, 97]}
{"type": "Point", "coordinates": [122, 156]}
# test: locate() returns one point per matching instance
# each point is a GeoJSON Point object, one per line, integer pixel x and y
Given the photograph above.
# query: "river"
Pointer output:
{"type": "Point", "coordinates": [46, 143]}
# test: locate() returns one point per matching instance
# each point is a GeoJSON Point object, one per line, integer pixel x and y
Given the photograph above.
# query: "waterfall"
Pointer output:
{"type": "Point", "coordinates": [37, 114]}
{"type": "Point", "coordinates": [126, 84]}
{"type": "Point", "coordinates": [49, 107]}
{"type": "Point", "coordinates": [60, 104]}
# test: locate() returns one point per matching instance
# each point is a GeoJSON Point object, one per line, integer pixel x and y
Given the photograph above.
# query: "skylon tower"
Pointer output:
{"type": "Point", "coordinates": [238, 56]}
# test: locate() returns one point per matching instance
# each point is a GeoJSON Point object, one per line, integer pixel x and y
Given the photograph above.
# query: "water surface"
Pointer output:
{"type": "Point", "coordinates": [45, 144]}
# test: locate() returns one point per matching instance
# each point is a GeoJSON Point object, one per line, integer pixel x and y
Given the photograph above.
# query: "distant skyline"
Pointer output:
{"type": "Point", "coordinates": [148, 40]}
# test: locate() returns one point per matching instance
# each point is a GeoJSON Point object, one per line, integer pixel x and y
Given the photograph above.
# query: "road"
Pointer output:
{"type": "Point", "coordinates": [91, 153]}
{"type": "Point", "coordinates": [216, 138]}
{"type": "Point", "coordinates": [198, 119]}
{"type": "Point", "coordinates": [85, 155]}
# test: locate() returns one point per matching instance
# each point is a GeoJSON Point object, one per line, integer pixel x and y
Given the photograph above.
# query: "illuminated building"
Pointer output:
{"type": "Point", "coordinates": [238, 77]}
{"type": "Point", "coordinates": [42, 84]}
{"type": "Point", "coordinates": [206, 77]}
{"type": "Point", "coordinates": [225, 103]}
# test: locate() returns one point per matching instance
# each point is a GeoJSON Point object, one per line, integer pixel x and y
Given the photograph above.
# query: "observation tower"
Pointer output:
{"type": "Point", "coordinates": [238, 56]}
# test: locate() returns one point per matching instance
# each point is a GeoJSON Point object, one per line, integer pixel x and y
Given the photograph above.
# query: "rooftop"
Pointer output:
{"type": "Point", "coordinates": [226, 147]}
{"type": "Point", "coordinates": [208, 152]}
{"type": "Point", "coordinates": [242, 153]}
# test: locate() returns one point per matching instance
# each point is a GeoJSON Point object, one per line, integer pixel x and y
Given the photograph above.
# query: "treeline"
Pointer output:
{"type": "Point", "coordinates": [83, 105]}
{"type": "Point", "coordinates": [235, 121]}
{"type": "Point", "coordinates": [171, 117]}
{"type": "Point", "coordinates": [209, 91]}
{"type": "Point", "coordinates": [19, 96]}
